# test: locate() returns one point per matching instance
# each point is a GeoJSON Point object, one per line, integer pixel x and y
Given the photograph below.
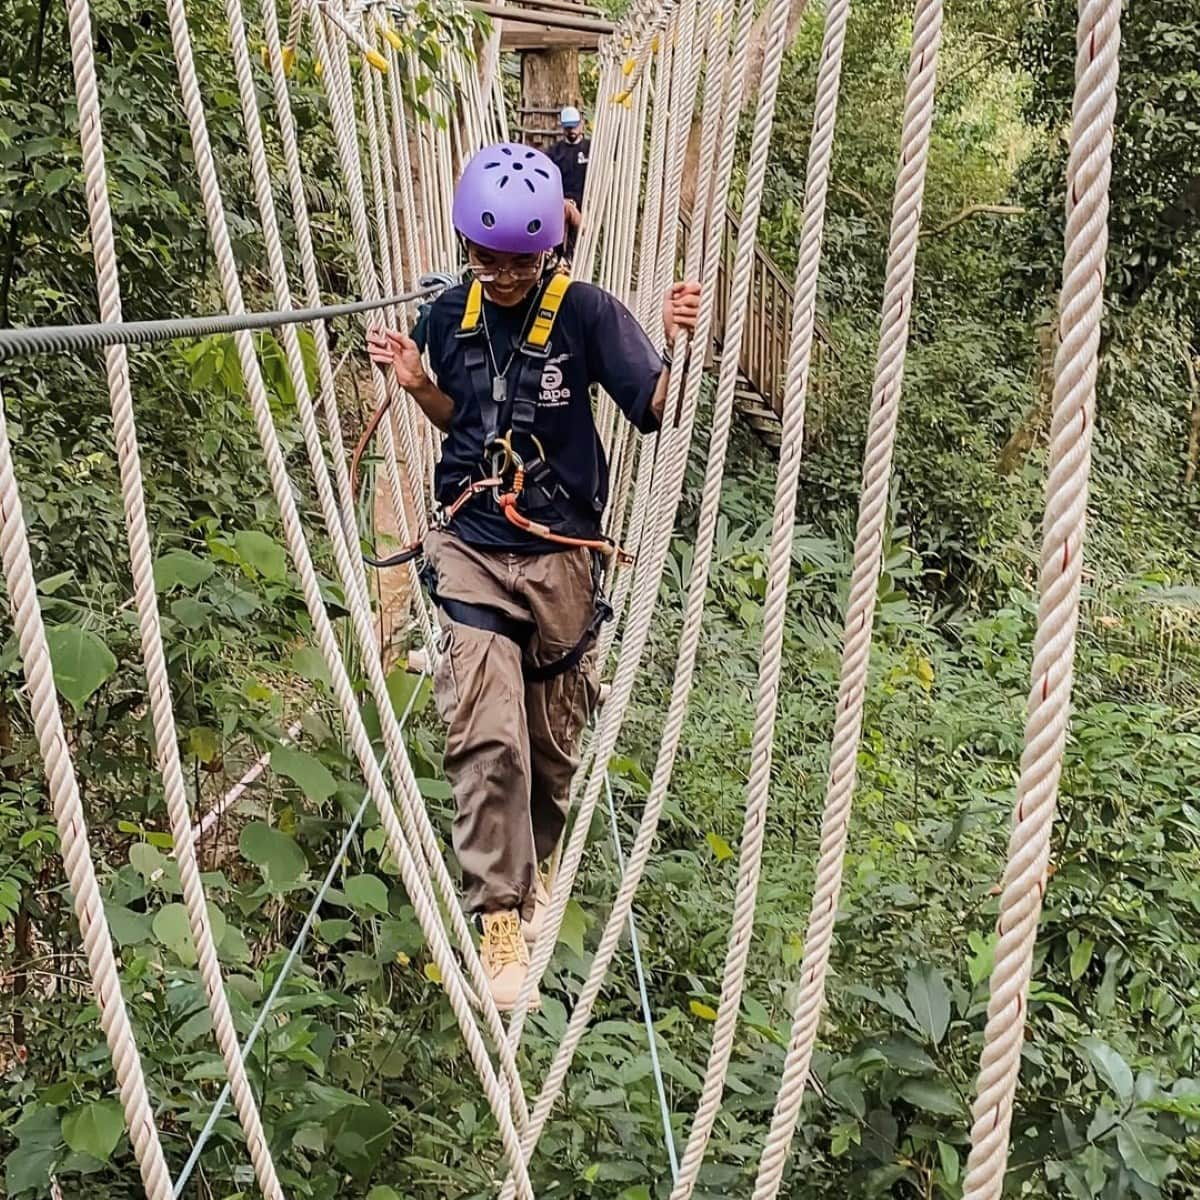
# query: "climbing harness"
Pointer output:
{"type": "Point", "coordinates": [508, 475]}
{"type": "Point", "coordinates": [492, 620]}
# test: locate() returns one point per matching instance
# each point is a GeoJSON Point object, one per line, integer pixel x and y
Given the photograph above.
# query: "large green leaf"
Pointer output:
{"type": "Point", "coordinates": [574, 926]}
{"type": "Point", "coordinates": [256, 549]}
{"type": "Point", "coordinates": [27, 1167]}
{"type": "Point", "coordinates": [173, 930]}
{"type": "Point", "coordinates": [360, 1136]}
{"type": "Point", "coordinates": [1143, 1150]}
{"type": "Point", "coordinates": [309, 774]}
{"type": "Point", "coordinates": [929, 1000]}
{"type": "Point", "coordinates": [309, 662]}
{"type": "Point", "coordinates": [1110, 1066]}
{"type": "Point", "coordinates": [276, 854]}
{"type": "Point", "coordinates": [367, 892]}
{"type": "Point", "coordinates": [81, 661]}
{"type": "Point", "coordinates": [181, 568]}
{"type": "Point", "coordinates": [931, 1095]}
{"type": "Point", "coordinates": [94, 1129]}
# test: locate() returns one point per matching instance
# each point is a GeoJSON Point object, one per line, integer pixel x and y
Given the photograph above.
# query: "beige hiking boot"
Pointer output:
{"type": "Point", "coordinates": [505, 958]}
{"type": "Point", "coordinates": [541, 902]}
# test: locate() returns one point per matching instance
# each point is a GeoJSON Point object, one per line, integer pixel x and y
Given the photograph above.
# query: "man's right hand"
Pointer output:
{"type": "Point", "coordinates": [390, 347]}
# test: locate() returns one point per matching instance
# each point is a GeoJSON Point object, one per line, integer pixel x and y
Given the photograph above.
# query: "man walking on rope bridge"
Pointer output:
{"type": "Point", "coordinates": [570, 155]}
{"type": "Point", "coordinates": [515, 563]}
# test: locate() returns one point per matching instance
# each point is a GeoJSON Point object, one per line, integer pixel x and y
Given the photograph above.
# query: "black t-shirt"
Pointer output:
{"type": "Point", "coordinates": [571, 158]}
{"type": "Point", "coordinates": [595, 340]}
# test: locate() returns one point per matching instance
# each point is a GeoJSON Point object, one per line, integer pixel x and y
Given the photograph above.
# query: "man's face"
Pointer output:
{"type": "Point", "coordinates": [573, 133]}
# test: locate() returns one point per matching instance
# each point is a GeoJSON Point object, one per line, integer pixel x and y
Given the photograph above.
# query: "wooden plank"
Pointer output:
{"type": "Point", "coordinates": [526, 37]}
{"type": "Point", "coordinates": [580, 10]}
{"type": "Point", "coordinates": [546, 20]}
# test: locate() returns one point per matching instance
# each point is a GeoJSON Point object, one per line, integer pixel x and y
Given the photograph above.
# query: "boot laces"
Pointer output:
{"type": "Point", "coordinates": [505, 942]}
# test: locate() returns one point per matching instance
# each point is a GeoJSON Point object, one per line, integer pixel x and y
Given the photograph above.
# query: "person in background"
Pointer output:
{"type": "Point", "coordinates": [570, 155]}
{"type": "Point", "coordinates": [514, 355]}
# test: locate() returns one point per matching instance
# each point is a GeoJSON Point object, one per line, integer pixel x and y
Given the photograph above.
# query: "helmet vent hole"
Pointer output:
{"type": "Point", "coordinates": [504, 182]}
{"type": "Point", "coordinates": [506, 150]}
{"type": "Point", "coordinates": [488, 219]}
{"type": "Point", "coordinates": [517, 166]}
{"type": "Point", "coordinates": [542, 172]}
{"type": "Point", "coordinates": [529, 185]}
{"type": "Point", "coordinates": [533, 225]}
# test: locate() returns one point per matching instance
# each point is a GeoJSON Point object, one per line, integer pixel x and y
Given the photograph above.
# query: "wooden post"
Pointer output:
{"type": "Point", "coordinates": [549, 80]}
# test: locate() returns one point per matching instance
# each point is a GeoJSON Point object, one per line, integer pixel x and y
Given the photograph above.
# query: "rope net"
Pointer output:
{"type": "Point", "coordinates": [669, 66]}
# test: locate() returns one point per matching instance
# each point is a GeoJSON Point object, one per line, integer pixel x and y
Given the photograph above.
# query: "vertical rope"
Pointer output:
{"type": "Point", "coordinates": [1081, 306]}
{"type": "Point", "coordinates": [166, 739]}
{"type": "Point", "coordinates": [72, 826]}
{"type": "Point", "coordinates": [795, 395]}
{"type": "Point", "coordinates": [881, 436]}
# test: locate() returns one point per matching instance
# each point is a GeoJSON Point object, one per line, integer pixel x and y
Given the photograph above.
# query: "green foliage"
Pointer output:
{"type": "Point", "coordinates": [365, 1087]}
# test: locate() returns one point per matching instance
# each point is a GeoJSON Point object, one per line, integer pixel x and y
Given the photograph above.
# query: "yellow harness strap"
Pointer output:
{"type": "Point", "coordinates": [471, 314]}
{"type": "Point", "coordinates": [549, 304]}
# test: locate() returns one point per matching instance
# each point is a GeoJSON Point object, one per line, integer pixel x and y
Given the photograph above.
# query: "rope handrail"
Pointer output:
{"type": "Point", "coordinates": [62, 339]}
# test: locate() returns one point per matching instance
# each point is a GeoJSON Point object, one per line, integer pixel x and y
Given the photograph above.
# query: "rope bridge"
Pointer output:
{"type": "Point", "coordinates": [668, 64]}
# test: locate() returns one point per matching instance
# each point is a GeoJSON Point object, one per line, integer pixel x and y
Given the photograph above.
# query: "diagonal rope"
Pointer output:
{"type": "Point", "coordinates": [730, 103]}
{"type": "Point", "coordinates": [80, 867]}
{"type": "Point", "coordinates": [413, 815]}
{"type": "Point", "coordinates": [881, 434]}
{"type": "Point", "coordinates": [1081, 307]}
{"type": "Point", "coordinates": [166, 738]}
{"type": "Point", "coordinates": [646, 584]}
{"type": "Point", "coordinates": [411, 874]}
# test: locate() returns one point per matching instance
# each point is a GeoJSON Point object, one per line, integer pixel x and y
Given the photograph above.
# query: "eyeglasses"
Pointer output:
{"type": "Point", "coordinates": [521, 270]}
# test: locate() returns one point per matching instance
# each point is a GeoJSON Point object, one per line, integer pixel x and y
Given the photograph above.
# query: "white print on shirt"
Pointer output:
{"type": "Point", "coordinates": [553, 394]}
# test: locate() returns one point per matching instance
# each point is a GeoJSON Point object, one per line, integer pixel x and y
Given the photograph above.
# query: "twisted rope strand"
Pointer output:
{"type": "Point", "coordinates": [72, 830]}
{"type": "Point", "coordinates": [1081, 307]}
{"type": "Point", "coordinates": [881, 435]}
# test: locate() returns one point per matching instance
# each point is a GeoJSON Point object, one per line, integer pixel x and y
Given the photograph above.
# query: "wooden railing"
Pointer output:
{"type": "Point", "coordinates": [767, 337]}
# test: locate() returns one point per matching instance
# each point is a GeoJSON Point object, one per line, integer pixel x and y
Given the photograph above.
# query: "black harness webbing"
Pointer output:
{"type": "Point", "coordinates": [492, 620]}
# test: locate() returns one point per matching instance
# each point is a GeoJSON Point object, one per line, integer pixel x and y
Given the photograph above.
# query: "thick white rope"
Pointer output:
{"type": "Point", "coordinates": [787, 1105]}
{"type": "Point", "coordinates": [758, 789]}
{"type": "Point", "coordinates": [413, 815]}
{"type": "Point", "coordinates": [649, 573]}
{"type": "Point", "coordinates": [166, 739]}
{"type": "Point", "coordinates": [346, 136]}
{"type": "Point", "coordinates": [1081, 308]}
{"type": "Point", "coordinates": [427, 914]}
{"type": "Point", "coordinates": [308, 259]}
{"type": "Point", "coordinates": [730, 105]}
{"type": "Point", "coordinates": [881, 436]}
{"type": "Point", "coordinates": [72, 829]}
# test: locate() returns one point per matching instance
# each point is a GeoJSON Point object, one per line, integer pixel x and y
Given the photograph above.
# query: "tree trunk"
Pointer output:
{"type": "Point", "coordinates": [755, 52]}
{"type": "Point", "coordinates": [549, 80]}
{"type": "Point", "coordinates": [1025, 436]}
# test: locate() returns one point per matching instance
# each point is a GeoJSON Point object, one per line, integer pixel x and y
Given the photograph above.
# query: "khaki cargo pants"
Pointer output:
{"type": "Point", "coordinates": [512, 746]}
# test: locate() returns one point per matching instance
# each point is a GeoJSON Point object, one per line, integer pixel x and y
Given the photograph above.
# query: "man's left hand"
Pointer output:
{"type": "Point", "coordinates": [681, 309]}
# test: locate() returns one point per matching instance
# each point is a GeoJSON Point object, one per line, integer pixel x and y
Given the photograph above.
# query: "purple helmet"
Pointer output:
{"type": "Point", "coordinates": [510, 199]}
